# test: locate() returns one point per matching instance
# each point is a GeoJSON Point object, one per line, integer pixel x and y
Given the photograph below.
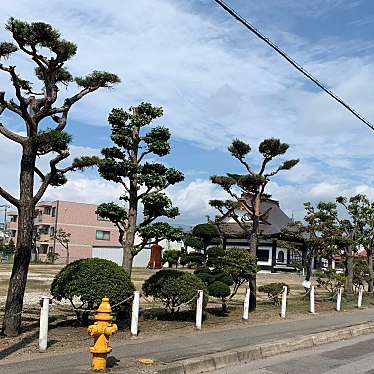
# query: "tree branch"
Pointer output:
{"type": "Point", "coordinates": [11, 135]}
{"type": "Point", "coordinates": [39, 173]}
{"type": "Point", "coordinates": [265, 161]}
{"type": "Point", "coordinates": [64, 110]}
{"type": "Point", "coordinates": [18, 90]}
{"type": "Point", "coordinates": [7, 196]}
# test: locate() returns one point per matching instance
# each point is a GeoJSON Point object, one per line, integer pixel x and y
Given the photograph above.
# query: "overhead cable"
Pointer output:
{"type": "Point", "coordinates": [295, 64]}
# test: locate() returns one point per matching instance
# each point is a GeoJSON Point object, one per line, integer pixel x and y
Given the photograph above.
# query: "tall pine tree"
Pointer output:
{"type": "Point", "coordinates": [247, 190]}
{"type": "Point", "coordinates": [130, 163]}
{"type": "Point", "coordinates": [33, 105]}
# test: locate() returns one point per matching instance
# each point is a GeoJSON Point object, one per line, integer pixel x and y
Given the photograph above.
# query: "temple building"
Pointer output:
{"type": "Point", "coordinates": [272, 251]}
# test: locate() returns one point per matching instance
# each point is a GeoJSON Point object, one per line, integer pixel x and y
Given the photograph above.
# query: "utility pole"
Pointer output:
{"type": "Point", "coordinates": [5, 220]}
{"type": "Point", "coordinates": [5, 214]}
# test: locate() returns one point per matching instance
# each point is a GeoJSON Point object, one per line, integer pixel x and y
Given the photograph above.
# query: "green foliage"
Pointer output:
{"type": "Point", "coordinates": [206, 232]}
{"type": "Point", "coordinates": [219, 289]}
{"type": "Point", "coordinates": [239, 149]}
{"type": "Point", "coordinates": [361, 274]}
{"type": "Point", "coordinates": [239, 265]}
{"type": "Point", "coordinates": [84, 162]}
{"type": "Point", "coordinates": [330, 280]}
{"type": "Point", "coordinates": [112, 211]}
{"type": "Point", "coordinates": [97, 79]}
{"type": "Point", "coordinates": [6, 49]}
{"type": "Point", "coordinates": [192, 242]}
{"type": "Point", "coordinates": [128, 164]}
{"type": "Point", "coordinates": [51, 140]}
{"type": "Point", "coordinates": [174, 288]}
{"type": "Point", "coordinates": [39, 34]}
{"type": "Point", "coordinates": [194, 259]}
{"type": "Point", "coordinates": [52, 257]}
{"type": "Point", "coordinates": [272, 147]}
{"type": "Point", "coordinates": [89, 280]}
{"type": "Point", "coordinates": [214, 254]}
{"type": "Point", "coordinates": [274, 290]}
{"type": "Point", "coordinates": [157, 204]}
{"type": "Point", "coordinates": [7, 249]}
{"type": "Point", "coordinates": [160, 230]}
{"type": "Point", "coordinates": [172, 257]}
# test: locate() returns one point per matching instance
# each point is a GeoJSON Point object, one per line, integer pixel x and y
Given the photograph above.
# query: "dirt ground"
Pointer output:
{"type": "Point", "coordinates": [66, 335]}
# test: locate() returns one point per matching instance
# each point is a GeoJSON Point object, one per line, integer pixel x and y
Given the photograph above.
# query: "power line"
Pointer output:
{"type": "Point", "coordinates": [296, 65]}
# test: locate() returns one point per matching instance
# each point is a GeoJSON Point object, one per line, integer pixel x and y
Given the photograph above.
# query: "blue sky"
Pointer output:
{"type": "Point", "coordinates": [216, 81]}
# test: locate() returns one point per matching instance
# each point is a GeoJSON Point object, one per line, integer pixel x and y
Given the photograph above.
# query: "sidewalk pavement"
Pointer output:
{"type": "Point", "coordinates": [173, 348]}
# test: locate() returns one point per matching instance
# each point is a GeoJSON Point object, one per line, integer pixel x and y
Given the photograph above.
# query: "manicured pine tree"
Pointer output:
{"type": "Point", "coordinates": [357, 229]}
{"type": "Point", "coordinates": [129, 164]}
{"type": "Point", "coordinates": [36, 106]}
{"type": "Point", "coordinates": [247, 190]}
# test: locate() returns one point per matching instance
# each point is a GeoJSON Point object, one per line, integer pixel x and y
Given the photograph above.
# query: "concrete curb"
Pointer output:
{"type": "Point", "coordinates": [224, 359]}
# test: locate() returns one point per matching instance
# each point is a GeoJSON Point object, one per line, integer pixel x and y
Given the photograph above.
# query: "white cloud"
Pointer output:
{"type": "Point", "coordinates": [215, 84]}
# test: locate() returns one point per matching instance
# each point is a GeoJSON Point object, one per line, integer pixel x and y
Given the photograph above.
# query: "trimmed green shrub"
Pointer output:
{"type": "Point", "coordinates": [361, 273]}
{"type": "Point", "coordinates": [174, 288]}
{"type": "Point", "coordinates": [330, 280]}
{"type": "Point", "coordinates": [221, 291]}
{"type": "Point", "coordinates": [172, 257]}
{"type": "Point", "coordinates": [88, 281]}
{"type": "Point", "coordinates": [274, 290]}
{"type": "Point", "coordinates": [195, 259]}
{"type": "Point", "coordinates": [239, 265]}
{"type": "Point", "coordinates": [214, 253]}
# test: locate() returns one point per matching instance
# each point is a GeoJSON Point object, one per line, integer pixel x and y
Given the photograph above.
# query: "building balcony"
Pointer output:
{"type": "Point", "coordinates": [44, 238]}
{"type": "Point", "coordinates": [12, 225]}
{"type": "Point", "coordinates": [44, 219]}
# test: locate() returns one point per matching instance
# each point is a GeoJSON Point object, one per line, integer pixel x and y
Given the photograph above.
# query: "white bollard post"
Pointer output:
{"type": "Point", "coordinates": [339, 300]}
{"type": "Point", "coordinates": [246, 304]}
{"type": "Point", "coordinates": [360, 291]}
{"type": "Point", "coordinates": [284, 302]}
{"type": "Point", "coordinates": [312, 309]}
{"type": "Point", "coordinates": [303, 272]}
{"type": "Point", "coordinates": [199, 308]}
{"type": "Point", "coordinates": [43, 327]}
{"type": "Point", "coordinates": [135, 314]}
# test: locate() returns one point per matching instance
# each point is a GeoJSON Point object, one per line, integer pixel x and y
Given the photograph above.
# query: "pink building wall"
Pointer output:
{"type": "Point", "coordinates": [78, 219]}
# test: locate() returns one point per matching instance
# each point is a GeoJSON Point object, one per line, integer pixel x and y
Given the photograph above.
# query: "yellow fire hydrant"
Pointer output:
{"type": "Point", "coordinates": [101, 330]}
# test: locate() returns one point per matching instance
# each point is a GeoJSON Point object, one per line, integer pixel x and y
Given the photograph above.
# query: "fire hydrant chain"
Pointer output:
{"type": "Point", "coordinates": [101, 330]}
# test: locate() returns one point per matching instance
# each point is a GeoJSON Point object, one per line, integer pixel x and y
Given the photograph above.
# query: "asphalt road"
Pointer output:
{"type": "Point", "coordinates": [354, 356]}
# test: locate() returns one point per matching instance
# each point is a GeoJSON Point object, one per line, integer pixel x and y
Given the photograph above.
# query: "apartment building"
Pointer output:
{"type": "Point", "coordinates": [90, 234]}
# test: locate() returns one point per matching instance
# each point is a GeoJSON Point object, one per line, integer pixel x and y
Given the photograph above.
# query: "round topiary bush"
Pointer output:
{"type": "Point", "coordinates": [274, 290]}
{"type": "Point", "coordinates": [221, 291]}
{"type": "Point", "coordinates": [174, 288]}
{"type": "Point", "coordinates": [87, 281]}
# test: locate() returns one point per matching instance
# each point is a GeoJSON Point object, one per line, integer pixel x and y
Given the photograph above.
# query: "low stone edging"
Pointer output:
{"type": "Point", "coordinates": [221, 360]}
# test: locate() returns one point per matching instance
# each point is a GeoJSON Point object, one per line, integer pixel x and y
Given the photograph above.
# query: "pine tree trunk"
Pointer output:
{"type": "Point", "coordinates": [253, 251]}
{"type": "Point", "coordinates": [309, 270]}
{"type": "Point", "coordinates": [128, 248]}
{"type": "Point", "coordinates": [370, 265]}
{"type": "Point", "coordinates": [127, 253]}
{"type": "Point", "coordinates": [17, 283]}
{"type": "Point", "coordinates": [67, 255]}
{"type": "Point", "coordinates": [349, 272]}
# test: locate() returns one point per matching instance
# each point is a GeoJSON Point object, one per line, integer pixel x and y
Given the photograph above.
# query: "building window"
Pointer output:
{"type": "Point", "coordinates": [50, 250]}
{"type": "Point", "coordinates": [54, 212]}
{"type": "Point", "coordinates": [13, 219]}
{"type": "Point", "coordinates": [102, 235]}
{"type": "Point", "coordinates": [263, 255]}
{"type": "Point", "coordinates": [100, 218]}
{"type": "Point", "coordinates": [280, 256]}
{"type": "Point", "coordinates": [43, 249]}
{"type": "Point", "coordinates": [14, 233]}
{"type": "Point", "coordinates": [47, 210]}
{"type": "Point", "coordinates": [52, 232]}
